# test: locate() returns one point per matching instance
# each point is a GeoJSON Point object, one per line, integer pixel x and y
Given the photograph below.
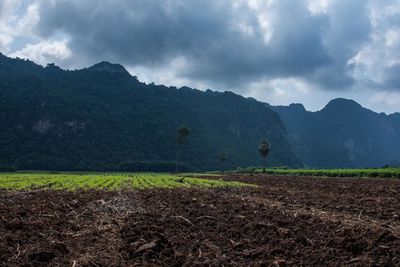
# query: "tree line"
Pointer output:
{"type": "Point", "coordinates": [183, 133]}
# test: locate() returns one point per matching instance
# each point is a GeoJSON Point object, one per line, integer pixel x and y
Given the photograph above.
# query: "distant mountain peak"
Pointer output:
{"type": "Point", "coordinates": [294, 107]}
{"type": "Point", "coordinates": [395, 115]}
{"type": "Point", "coordinates": [342, 134]}
{"type": "Point", "coordinates": [342, 103]}
{"type": "Point", "coordinates": [105, 66]}
{"type": "Point", "coordinates": [297, 106]}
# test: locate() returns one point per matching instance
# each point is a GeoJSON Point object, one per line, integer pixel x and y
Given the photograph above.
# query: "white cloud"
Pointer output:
{"type": "Point", "coordinates": [167, 75]}
{"type": "Point", "coordinates": [265, 27]}
{"type": "Point", "coordinates": [393, 37]}
{"type": "Point", "coordinates": [5, 41]}
{"type": "Point", "coordinates": [7, 7]}
{"type": "Point", "coordinates": [29, 19]}
{"type": "Point", "coordinates": [45, 52]}
{"type": "Point", "coordinates": [279, 91]}
{"type": "Point", "coordinates": [17, 20]}
{"type": "Point", "coordinates": [7, 11]}
{"type": "Point", "coordinates": [387, 98]}
{"type": "Point", "coordinates": [383, 49]}
{"type": "Point", "coordinates": [318, 6]}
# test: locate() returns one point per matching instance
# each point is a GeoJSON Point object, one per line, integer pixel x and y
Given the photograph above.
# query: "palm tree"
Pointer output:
{"type": "Point", "coordinates": [183, 133]}
{"type": "Point", "coordinates": [264, 148]}
{"type": "Point", "coordinates": [223, 157]}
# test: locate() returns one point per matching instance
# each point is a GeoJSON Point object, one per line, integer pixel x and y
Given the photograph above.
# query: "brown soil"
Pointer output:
{"type": "Point", "coordinates": [284, 221]}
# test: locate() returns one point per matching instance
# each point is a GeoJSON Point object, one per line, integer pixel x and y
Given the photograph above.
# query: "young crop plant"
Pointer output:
{"type": "Point", "coordinates": [356, 173]}
{"type": "Point", "coordinates": [109, 181]}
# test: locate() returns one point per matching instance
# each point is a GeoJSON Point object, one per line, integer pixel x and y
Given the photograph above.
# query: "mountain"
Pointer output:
{"type": "Point", "coordinates": [102, 118]}
{"type": "Point", "coordinates": [342, 134]}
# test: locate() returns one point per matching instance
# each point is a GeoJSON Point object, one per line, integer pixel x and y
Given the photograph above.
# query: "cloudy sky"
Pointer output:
{"type": "Point", "coordinates": [278, 51]}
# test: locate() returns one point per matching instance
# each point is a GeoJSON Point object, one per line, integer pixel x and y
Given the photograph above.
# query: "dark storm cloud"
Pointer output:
{"type": "Point", "coordinates": [392, 77]}
{"type": "Point", "coordinates": [207, 35]}
{"type": "Point", "coordinates": [349, 28]}
{"type": "Point", "coordinates": [295, 48]}
{"type": "Point", "coordinates": [137, 32]}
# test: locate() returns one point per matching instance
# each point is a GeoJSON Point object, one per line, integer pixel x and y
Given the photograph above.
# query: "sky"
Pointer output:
{"type": "Point", "coordinates": [276, 51]}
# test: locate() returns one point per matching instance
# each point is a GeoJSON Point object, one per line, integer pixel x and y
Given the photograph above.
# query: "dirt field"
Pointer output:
{"type": "Point", "coordinates": [284, 221]}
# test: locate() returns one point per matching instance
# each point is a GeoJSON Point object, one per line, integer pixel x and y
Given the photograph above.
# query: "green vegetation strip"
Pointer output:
{"type": "Point", "coordinates": [104, 181]}
{"type": "Point", "coordinates": [367, 173]}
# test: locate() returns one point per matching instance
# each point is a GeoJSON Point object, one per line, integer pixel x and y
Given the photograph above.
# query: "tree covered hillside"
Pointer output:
{"type": "Point", "coordinates": [342, 135]}
{"type": "Point", "coordinates": [102, 118]}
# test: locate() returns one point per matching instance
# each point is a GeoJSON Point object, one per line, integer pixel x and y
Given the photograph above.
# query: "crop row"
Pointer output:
{"type": "Point", "coordinates": [367, 173]}
{"type": "Point", "coordinates": [109, 181]}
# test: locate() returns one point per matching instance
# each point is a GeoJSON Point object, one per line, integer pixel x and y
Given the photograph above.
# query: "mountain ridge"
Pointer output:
{"type": "Point", "coordinates": [103, 118]}
{"type": "Point", "coordinates": [342, 134]}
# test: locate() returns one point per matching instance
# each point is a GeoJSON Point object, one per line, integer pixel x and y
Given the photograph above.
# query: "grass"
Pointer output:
{"type": "Point", "coordinates": [103, 181]}
{"type": "Point", "coordinates": [367, 173]}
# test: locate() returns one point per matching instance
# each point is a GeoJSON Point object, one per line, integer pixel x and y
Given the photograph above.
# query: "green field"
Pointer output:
{"type": "Point", "coordinates": [103, 181]}
{"type": "Point", "coordinates": [368, 173]}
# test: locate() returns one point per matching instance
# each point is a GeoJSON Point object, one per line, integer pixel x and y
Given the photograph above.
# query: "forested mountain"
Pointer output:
{"type": "Point", "coordinates": [102, 118]}
{"type": "Point", "coordinates": [343, 134]}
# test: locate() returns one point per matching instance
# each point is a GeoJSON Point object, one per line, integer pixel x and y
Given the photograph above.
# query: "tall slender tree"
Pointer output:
{"type": "Point", "coordinates": [182, 134]}
{"type": "Point", "coordinates": [264, 148]}
{"type": "Point", "coordinates": [223, 157]}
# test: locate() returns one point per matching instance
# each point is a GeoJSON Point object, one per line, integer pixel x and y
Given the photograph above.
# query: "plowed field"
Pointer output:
{"type": "Point", "coordinates": [284, 221]}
